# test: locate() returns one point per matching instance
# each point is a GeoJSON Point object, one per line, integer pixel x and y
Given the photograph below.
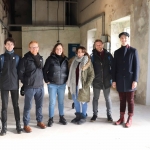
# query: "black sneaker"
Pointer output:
{"type": "Point", "coordinates": [109, 118]}
{"type": "Point", "coordinates": [50, 122]}
{"type": "Point", "coordinates": [62, 120]}
{"type": "Point", "coordinates": [94, 118]}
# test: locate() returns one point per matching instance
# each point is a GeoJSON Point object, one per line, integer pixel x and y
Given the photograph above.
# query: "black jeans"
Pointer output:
{"type": "Point", "coordinates": [14, 97]}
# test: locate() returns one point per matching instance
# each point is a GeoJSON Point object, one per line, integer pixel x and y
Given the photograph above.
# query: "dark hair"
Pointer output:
{"type": "Point", "coordinates": [83, 51]}
{"type": "Point", "coordinates": [9, 39]}
{"type": "Point", "coordinates": [123, 33]}
{"type": "Point", "coordinates": [54, 49]}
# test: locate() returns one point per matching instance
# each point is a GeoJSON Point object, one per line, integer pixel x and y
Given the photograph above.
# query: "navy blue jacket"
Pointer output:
{"type": "Point", "coordinates": [125, 68]}
{"type": "Point", "coordinates": [9, 77]}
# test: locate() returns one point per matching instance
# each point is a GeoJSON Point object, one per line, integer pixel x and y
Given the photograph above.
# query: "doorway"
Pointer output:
{"type": "Point", "coordinates": [118, 26]}
{"type": "Point", "coordinates": [90, 40]}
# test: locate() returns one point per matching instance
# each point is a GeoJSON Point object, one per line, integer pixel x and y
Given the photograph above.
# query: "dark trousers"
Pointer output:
{"type": "Point", "coordinates": [96, 94]}
{"type": "Point", "coordinates": [129, 98]}
{"type": "Point", "coordinates": [14, 97]}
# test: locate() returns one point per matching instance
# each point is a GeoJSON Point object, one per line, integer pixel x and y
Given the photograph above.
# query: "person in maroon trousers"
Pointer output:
{"type": "Point", "coordinates": [125, 77]}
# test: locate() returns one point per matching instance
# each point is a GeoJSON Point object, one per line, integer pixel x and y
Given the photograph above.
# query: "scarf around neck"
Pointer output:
{"type": "Point", "coordinates": [9, 52]}
{"type": "Point", "coordinates": [72, 73]}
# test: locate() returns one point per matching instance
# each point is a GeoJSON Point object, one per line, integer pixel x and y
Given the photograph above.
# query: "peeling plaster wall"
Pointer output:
{"type": "Point", "coordinates": [2, 32]}
{"type": "Point", "coordinates": [139, 25]}
{"type": "Point", "coordinates": [96, 24]}
{"type": "Point", "coordinates": [47, 38]}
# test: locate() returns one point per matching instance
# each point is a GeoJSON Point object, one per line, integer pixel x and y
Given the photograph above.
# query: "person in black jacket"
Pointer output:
{"type": "Point", "coordinates": [9, 83]}
{"type": "Point", "coordinates": [102, 62]}
{"type": "Point", "coordinates": [31, 75]}
{"type": "Point", "coordinates": [125, 77]}
{"type": "Point", "coordinates": [55, 75]}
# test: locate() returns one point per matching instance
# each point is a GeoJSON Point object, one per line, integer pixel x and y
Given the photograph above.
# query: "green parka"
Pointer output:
{"type": "Point", "coordinates": [87, 76]}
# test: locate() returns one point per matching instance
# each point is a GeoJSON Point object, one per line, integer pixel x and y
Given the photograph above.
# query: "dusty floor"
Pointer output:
{"type": "Point", "coordinates": [99, 135]}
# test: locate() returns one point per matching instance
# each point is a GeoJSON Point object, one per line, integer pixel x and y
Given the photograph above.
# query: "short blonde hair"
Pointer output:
{"type": "Point", "coordinates": [33, 42]}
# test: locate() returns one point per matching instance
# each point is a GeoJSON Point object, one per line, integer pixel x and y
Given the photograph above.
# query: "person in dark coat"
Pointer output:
{"type": "Point", "coordinates": [102, 62]}
{"type": "Point", "coordinates": [56, 75]}
{"type": "Point", "coordinates": [125, 77]}
{"type": "Point", "coordinates": [9, 83]}
{"type": "Point", "coordinates": [31, 75]}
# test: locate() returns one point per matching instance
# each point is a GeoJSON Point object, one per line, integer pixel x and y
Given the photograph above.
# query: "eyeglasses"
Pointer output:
{"type": "Point", "coordinates": [34, 47]}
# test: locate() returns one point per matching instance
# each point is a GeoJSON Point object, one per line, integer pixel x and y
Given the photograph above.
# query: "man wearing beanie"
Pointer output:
{"type": "Point", "coordinates": [125, 77]}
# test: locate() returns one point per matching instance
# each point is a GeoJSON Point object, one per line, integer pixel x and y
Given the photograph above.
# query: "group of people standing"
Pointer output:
{"type": "Point", "coordinates": [99, 70]}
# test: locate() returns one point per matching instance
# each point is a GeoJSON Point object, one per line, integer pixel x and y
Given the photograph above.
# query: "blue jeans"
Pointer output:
{"type": "Point", "coordinates": [38, 94]}
{"type": "Point", "coordinates": [79, 105]}
{"type": "Point", "coordinates": [54, 90]}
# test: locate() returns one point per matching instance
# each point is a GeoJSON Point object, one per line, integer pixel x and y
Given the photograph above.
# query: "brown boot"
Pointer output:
{"type": "Point", "coordinates": [121, 120]}
{"type": "Point", "coordinates": [27, 129]}
{"type": "Point", "coordinates": [129, 121]}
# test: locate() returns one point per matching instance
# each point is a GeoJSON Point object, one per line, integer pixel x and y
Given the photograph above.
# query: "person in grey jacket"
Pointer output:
{"type": "Point", "coordinates": [102, 62]}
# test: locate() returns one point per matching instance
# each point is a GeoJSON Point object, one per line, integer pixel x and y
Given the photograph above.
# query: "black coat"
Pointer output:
{"type": "Point", "coordinates": [54, 72]}
{"type": "Point", "coordinates": [9, 76]}
{"type": "Point", "coordinates": [102, 69]}
{"type": "Point", "coordinates": [125, 68]}
{"type": "Point", "coordinates": [30, 75]}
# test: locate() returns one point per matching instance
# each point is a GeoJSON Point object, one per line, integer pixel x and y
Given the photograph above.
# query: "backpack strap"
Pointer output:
{"type": "Point", "coordinates": [1, 62]}
{"type": "Point", "coordinates": [92, 59]}
{"type": "Point", "coordinates": [17, 60]}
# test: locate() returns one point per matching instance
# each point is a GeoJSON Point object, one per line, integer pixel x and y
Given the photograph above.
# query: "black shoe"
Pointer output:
{"type": "Point", "coordinates": [3, 132]}
{"type": "Point", "coordinates": [62, 120]}
{"type": "Point", "coordinates": [50, 122]}
{"type": "Point", "coordinates": [19, 130]}
{"type": "Point", "coordinates": [109, 118]}
{"type": "Point", "coordinates": [94, 118]}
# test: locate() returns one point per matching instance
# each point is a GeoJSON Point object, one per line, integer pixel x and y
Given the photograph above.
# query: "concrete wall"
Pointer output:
{"type": "Point", "coordinates": [47, 38]}
{"type": "Point", "coordinates": [17, 36]}
{"type": "Point", "coordinates": [3, 33]}
{"type": "Point", "coordinates": [95, 24]}
{"type": "Point", "coordinates": [139, 24]}
{"type": "Point", "coordinates": [45, 12]}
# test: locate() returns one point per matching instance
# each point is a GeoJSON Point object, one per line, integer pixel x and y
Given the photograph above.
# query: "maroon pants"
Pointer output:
{"type": "Point", "coordinates": [129, 97]}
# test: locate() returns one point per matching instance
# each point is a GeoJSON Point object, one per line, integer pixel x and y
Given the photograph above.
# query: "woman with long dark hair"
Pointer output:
{"type": "Point", "coordinates": [81, 75]}
{"type": "Point", "coordinates": [55, 75]}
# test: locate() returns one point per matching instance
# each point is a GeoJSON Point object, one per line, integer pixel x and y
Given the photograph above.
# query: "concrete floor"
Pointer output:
{"type": "Point", "coordinates": [100, 135]}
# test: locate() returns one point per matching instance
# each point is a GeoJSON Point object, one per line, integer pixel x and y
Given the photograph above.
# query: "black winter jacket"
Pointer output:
{"type": "Point", "coordinates": [102, 69]}
{"type": "Point", "coordinates": [30, 75]}
{"type": "Point", "coordinates": [54, 72]}
{"type": "Point", "coordinates": [9, 76]}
